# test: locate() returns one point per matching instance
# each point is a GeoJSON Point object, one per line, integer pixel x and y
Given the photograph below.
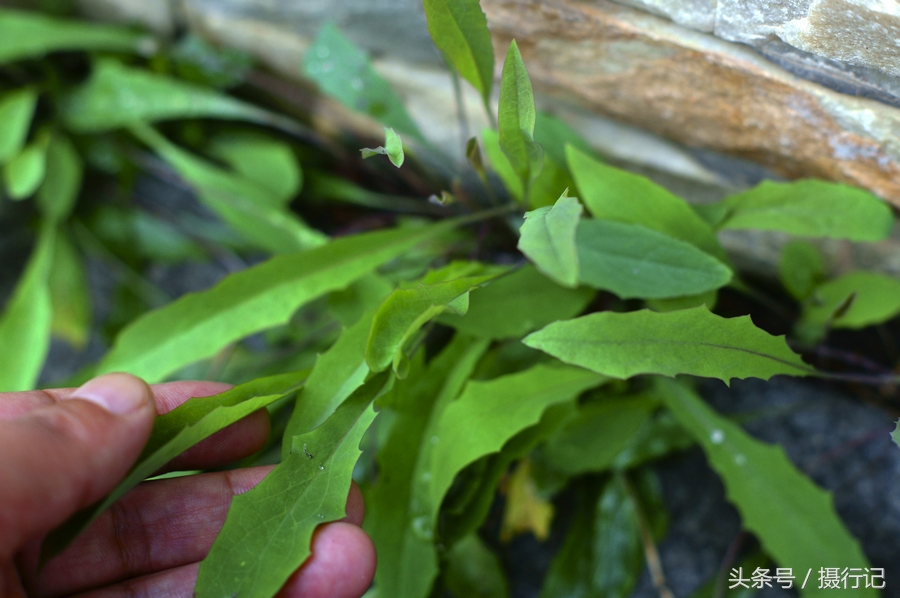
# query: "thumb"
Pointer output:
{"type": "Point", "coordinates": [61, 458]}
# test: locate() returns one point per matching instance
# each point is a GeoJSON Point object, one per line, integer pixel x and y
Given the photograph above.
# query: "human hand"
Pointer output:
{"type": "Point", "coordinates": [63, 449]}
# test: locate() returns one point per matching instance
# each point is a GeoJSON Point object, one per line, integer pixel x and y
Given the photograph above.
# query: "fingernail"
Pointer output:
{"type": "Point", "coordinates": [119, 393]}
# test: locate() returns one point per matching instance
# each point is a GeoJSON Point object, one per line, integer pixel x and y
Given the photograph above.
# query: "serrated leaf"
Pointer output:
{"type": "Point", "coordinates": [198, 325]}
{"type": "Point", "coordinates": [516, 118]}
{"type": "Point", "coordinates": [793, 518]}
{"type": "Point", "coordinates": [392, 148]}
{"type": "Point", "coordinates": [633, 261]}
{"type": "Point", "coordinates": [602, 430]}
{"type": "Point", "coordinates": [810, 208]}
{"type": "Point", "coordinates": [62, 183]}
{"type": "Point", "coordinates": [173, 433]}
{"type": "Point", "coordinates": [525, 510]}
{"type": "Point", "coordinates": [252, 210]}
{"type": "Point", "coordinates": [501, 165]}
{"type": "Point", "coordinates": [800, 269]}
{"type": "Point", "coordinates": [406, 310]}
{"type": "Point", "coordinates": [268, 162]}
{"type": "Point", "coordinates": [402, 513]}
{"type": "Point", "coordinates": [474, 571]}
{"type": "Point", "coordinates": [344, 72]}
{"type": "Point", "coordinates": [16, 112]}
{"type": "Point", "coordinates": [70, 294]}
{"type": "Point", "coordinates": [548, 239]}
{"type": "Point", "coordinates": [116, 96]}
{"type": "Point", "coordinates": [24, 174]}
{"type": "Point", "coordinates": [616, 194]}
{"type": "Point", "coordinates": [337, 374]}
{"type": "Point", "coordinates": [25, 323]}
{"type": "Point", "coordinates": [487, 414]}
{"type": "Point", "coordinates": [516, 304]}
{"type": "Point", "coordinates": [692, 341]}
{"type": "Point", "coordinates": [876, 299]}
{"type": "Point", "coordinates": [267, 534]}
{"type": "Point", "coordinates": [459, 30]}
{"type": "Point", "coordinates": [31, 35]}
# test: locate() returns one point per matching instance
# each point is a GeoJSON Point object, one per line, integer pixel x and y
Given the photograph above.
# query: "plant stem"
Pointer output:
{"type": "Point", "coordinates": [654, 564]}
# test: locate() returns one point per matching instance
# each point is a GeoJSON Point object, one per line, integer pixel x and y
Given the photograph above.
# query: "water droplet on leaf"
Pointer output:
{"type": "Point", "coordinates": [421, 527]}
{"type": "Point", "coordinates": [717, 436]}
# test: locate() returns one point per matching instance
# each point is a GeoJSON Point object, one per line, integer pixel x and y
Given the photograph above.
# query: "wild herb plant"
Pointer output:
{"type": "Point", "coordinates": [542, 332]}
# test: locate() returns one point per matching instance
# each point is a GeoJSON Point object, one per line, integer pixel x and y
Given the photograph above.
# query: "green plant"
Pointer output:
{"type": "Point", "coordinates": [447, 366]}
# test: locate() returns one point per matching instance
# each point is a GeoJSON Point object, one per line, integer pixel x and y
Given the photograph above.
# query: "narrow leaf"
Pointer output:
{"type": "Point", "coordinates": [633, 261]}
{"type": "Point", "coordinates": [487, 414]}
{"type": "Point", "coordinates": [70, 294]}
{"type": "Point", "coordinates": [344, 72]}
{"type": "Point", "coordinates": [616, 548]}
{"type": "Point", "coordinates": [31, 35]}
{"type": "Point", "coordinates": [392, 148]}
{"type": "Point", "coordinates": [810, 208]}
{"type": "Point", "coordinates": [514, 305]}
{"type": "Point", "coordinates": [26, 320]}
{"type": "Point", "coordinates": [249, 208]}
{"type": "Point", "coordinates": [24, 174]}
{"type": "Point", "coordinates": [459, 30]}
{"type": "Point", "coordinates": [174, 433]}
{"type": "Point", "coordinates": [268, 162]}
{"type": "Point", "coordinates": [516, 118]}
{"type": "Point", "coordinates": [800, 269]}
{"type": "Point", "coordinates": [616, 194]}
{"type": "Point", "coordinates": [267, 534]}
{"type": "Point", "coordinates": [16, 112]}
{"type": "Point", "coordinates": [198, 325]}
{"type": "Point", "coordinates": [117, 95]}
{"type": "Point", "coordinates": [406, 310]}
{"type": "Point", "coordinates": [876, 299]}
{"type": "Point", "coordinates": [793, 518]}
{"type": "Point", "coordinates": [692, 341]}
{"type": "Point", "coordinates": [501, 165]}
{"type": "Point", "coordinates": [548, 239]}
{"type": "Point", "coordinates": [62, 183]}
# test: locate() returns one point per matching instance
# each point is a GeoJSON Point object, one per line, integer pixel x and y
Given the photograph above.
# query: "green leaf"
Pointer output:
{"type": "Point", "coordinates": [501, 165]}
{"type": "Point", "coordinates": [117, 95]}
{"type": "Point", "coordinates": [516, 118]}
{"type": "Point", "coordinates": [709, 299]}
{"type": "Point", "coordinates": [252, 210]}
{"type": "Point", "coordinates": [895, 435]}
{"type": "Point", "coordinates": [268, 162]}
{"type": "Point", "coordinates": [267, 534]}
{"type": "Point", "coordinates": [31, 35]}
{"type": "Point", "coordinates": [196, 326]}
{"type": "Point", "coordinates": [616, 548]}
{"type": "Point", "coordinates": [487, 414]}
{"type": "Point", "coordinates": [406, 310]}
{"type": "Point", "coordinates": [633, 261]}
{"type": "Point", "coordinates": [800, 269]}
{"type": "Point", "coordinates": [70, 295]}
{"type": "Point", "coordinates": [810, 208]}
{"type": "Point", "coordinates": [26, 320]}
{"type": "Point", "coordinates": [459, 30]}
{"type": "Point", "coordinates": [875, 299]}
{"type": "Point", "coordinates": [474, 571]}
{"type": "Point", "coordinates": [602, 430]}
{"type": "Point", "coordinates": [337, 374]}
{"type": "Point", "coordinates": [24, 174]}
{"type": "Point", "coordinates": [402, 513]}
{"type": "Point", "coordinates": [692, 341]}
{"type": "Point", "coordinates": [793, 518]}
{"type": "Point", "coordinates": [554, 134]}
{"type": "Point", "coordinates": [344, 72]}
{"type": "Point", "coordinates": [16, 112]}
{"type": "Point", "coordinates": [392, 148]}
{"type": "Point", "coordinates": [62, 183]}
{"type": "Point", "coordinates": [174, 433]}
{"type": "Point", "coordinates": [615, 194]}
{"type": "Point", "coordinates": [548, 239]}
{"type": "Point", "coordinates": [516, 304]}
{"type": "Point", "coordinates": [545, 189]}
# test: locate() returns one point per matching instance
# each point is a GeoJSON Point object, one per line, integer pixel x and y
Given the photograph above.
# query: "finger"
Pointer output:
{"type": "Point", "coordinates": [160, 525]}
{"type": "Point", "coordinates": [63, 457]}
{"type": "Point", "coordinates": [234, 442]}
{"type": "Point", "coordinates": [342, 565]}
